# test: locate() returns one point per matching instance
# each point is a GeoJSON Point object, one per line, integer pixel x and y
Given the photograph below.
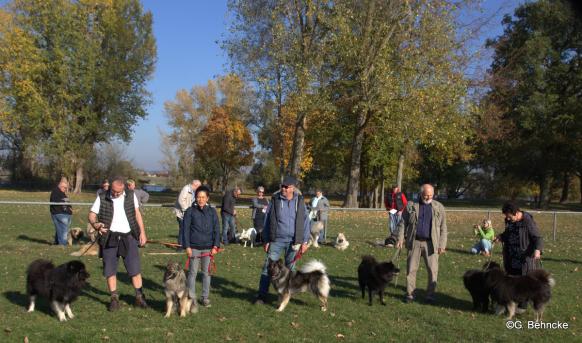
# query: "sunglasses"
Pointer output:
{"type": "Point", "coordinates": [286, 186]}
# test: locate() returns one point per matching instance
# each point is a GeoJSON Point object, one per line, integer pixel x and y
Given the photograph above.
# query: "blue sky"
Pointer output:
{"type": "Point", "coordinates": [187, 32]}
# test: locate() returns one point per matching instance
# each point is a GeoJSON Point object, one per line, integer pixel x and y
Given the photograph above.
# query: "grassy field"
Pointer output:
{"type": "Point", "coordinates": [27, 230]}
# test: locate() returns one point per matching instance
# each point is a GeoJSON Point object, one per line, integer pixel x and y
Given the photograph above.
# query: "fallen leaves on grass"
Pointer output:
{"type": "Point", "coordinates": [221, 319]}
{"type": "Point", "coordinates": [295, 325]}
{"type": "Point", "coordinates": [339, 336]}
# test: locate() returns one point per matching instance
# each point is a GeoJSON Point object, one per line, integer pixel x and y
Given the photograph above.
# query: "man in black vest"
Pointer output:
{"type": "Point", "coordinates": [286, 230]}
{"type": "Point", "coordinates": [115, 214]}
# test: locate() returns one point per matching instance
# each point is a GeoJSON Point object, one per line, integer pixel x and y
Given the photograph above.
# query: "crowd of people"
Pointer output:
{"type": "Point", "coordinates": [283, 226]}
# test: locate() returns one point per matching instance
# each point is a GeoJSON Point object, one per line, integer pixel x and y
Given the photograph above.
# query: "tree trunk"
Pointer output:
{"type": "Point", "coordinates": [351, 199]}
{"type": "Point", "coordinates": [544, 198]}
{"type": "Point", "coordinates": [79, 178]}
{"type": "Point", "coordinates": [298, 142]}
{"type": "Point", "coordinates": [565, 188]}
{"type": "Point", "coordinates": [382, 188]}
{"type": "Point", "coordinates": [400, 170]}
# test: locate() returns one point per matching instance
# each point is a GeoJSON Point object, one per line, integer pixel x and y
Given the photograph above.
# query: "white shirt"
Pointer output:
{"type": "Point", "coordinates": [119, 223]}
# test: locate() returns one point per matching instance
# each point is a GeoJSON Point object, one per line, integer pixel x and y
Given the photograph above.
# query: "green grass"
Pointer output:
{"type": "Point", "coordinates": [26, 230]}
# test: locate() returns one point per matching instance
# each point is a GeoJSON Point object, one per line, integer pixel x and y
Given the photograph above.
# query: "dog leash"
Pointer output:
{"type": "Point", "coordinates": [211, 266]}
{"type": "Point", "coordinates": [490, 257]}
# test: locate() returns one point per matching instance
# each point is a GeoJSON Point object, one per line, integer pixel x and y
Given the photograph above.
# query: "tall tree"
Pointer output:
{"type": "Point", "coordinates": [86, 67]}
{"type": "Point", "coordinates": [234, 151]}
{"type": "Point", "coordinates": [277, 44]}
{"type": "Point", "coordinates": [189, 113]}
{"type": "Point", "coordinates": [536, 85]}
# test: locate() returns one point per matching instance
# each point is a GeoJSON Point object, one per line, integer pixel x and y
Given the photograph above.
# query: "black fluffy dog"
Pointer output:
{"type": "Point", "coordinates": [474, 281]}
{"type": "Point", "coordinates": [509, 290]}
{"type": "Point", "coordinates": [61, 285]}
{"type": "Point", "coordinates": [375, 276]}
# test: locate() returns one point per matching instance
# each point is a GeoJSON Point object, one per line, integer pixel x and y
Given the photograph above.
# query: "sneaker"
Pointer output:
{"type": "Point", "coordinates": [140, 301]}
{"type": "Point", "coordinates": [409, 298]}
{"type": "Point", "coordinates": [205, 302]}
{"type": "Point", "coordinates": [114, 304]}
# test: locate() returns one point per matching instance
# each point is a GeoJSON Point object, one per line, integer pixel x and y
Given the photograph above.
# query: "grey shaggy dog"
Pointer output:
{"type": "Point", "coordinates": [312, 277]}
{"type": "Point", "coordinates": [176, 290]}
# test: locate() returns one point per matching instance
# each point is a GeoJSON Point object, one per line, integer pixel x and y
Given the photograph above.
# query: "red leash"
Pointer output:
{"type": "Point", "coordinates": [211, 266]}
{"type": "Point", "coordinates": [298, 256]}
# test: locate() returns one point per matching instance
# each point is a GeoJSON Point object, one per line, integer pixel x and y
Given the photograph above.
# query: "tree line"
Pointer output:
{"type": "Point", "coordinates": [346, 95]}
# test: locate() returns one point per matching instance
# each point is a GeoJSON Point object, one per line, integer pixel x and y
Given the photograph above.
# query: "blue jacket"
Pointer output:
{"type": "Point", "coordinates": [201, 229]}
{"type": "Point", "coordinates": [285, 224]}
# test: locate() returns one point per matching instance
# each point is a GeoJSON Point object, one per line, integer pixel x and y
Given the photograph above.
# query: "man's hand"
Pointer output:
{"type": "Point", "coordinates": [189, 252]}
{"type": "Point", "coordinates": [304, 248]}
{"type": "Point", "coordinates": [214, 251]}
{"type": "Point", "coordinates": [537, 254]}
{"type": "Point", "coordinates": [142, 239]}
{"type": "Point", "coordinates": [399, 244]}
{"type": "Point", "coordinates": [234, 213]}
{"type": "Point", "coordinates": [266, 247]}
{"type": "Point", "coordinates": [441, 251]}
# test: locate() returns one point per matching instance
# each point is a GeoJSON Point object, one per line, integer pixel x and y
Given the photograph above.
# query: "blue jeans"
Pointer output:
{"type": "Point", "coordinates": [274, 253]}
{"type": "Point", "coordinates": [323, 233]}
{"type": "Point", "coordinates": [62, 222]}
{"type": "Point", "coordinates": [228, 224]}
{"type": "Point", "coordinates": [204, 262]}
{"type": "Point", "coordinates": [482, 245]}
{"type": "Point", "coordinates": [393, 223]}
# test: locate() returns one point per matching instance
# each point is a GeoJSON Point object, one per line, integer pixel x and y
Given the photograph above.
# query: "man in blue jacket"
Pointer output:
{"type": "Point", "coordinates": [286, 230]}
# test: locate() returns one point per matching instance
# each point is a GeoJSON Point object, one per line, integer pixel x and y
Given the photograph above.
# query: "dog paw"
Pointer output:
{"type": "Point", "coordinates": [62, 318]}
{"type": "Point", "coordinates": [323, 309]}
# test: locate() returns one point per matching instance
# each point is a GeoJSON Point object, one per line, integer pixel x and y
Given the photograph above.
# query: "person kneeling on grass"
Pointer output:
{"type": "Point", "coordinates": [486, 235]}
{"type": "Point", "coordinates": [202, 240]}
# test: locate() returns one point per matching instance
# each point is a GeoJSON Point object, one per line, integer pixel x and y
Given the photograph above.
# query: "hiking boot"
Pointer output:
{"type": "Point", "coordinates": [205, 302]}
{"type": "Point", "coordinates": [114, 304]}
{"type": "Point", "coordinates": [409, 298]}
{"type": "Point", "coordinates": [140, 301]}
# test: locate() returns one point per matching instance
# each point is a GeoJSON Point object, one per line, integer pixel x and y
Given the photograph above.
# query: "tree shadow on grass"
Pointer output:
{"type": "Point", "coordinates": [35, 240]}
{"type": "Point", "coordinates": [561, 260]}
{"type": "Point", "coordinates": [460, 251]}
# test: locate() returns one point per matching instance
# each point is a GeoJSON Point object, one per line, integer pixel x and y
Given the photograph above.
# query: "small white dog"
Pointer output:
{"type": "Point", "coordinates": [341, 243]}
{"type": "Point", "coordinates": [248, 235]}
{"type": "Point", "coordinates": [316, 228]}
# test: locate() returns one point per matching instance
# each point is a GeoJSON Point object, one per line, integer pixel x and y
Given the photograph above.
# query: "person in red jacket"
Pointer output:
{"type": "Point", "coordinates": [395, 202]}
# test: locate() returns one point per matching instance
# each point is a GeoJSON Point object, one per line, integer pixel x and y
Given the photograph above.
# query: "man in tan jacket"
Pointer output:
{"type": "Point", "coordinates": [423, 229]}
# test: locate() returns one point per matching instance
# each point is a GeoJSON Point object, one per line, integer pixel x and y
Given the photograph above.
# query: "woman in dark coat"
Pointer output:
{"type": "Point", "coordinates": [522, 242]}
{"type": "Point", "coordinates": [202, 239]}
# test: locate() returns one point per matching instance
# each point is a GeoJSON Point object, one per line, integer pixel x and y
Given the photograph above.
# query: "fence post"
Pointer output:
{"type": "Point", "coordinates": [555, 224]}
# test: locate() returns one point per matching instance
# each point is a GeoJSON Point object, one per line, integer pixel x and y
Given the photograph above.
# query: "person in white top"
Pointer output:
{"type": "Point", "coordinates": [184, 202]}
{"type": "Point", "coordinates": [115, 215]}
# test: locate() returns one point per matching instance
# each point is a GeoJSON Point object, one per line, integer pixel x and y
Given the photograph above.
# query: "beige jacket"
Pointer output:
{"type": "Point", "coordinates": [407, 226]}
{"type": "Point", "coordinates": [184, 201]}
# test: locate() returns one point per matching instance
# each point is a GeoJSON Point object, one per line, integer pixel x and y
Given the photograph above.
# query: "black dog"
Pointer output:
{"type": "Point", "coordinates": [61, 285]}
{"type": "Point", "coordinates": [375, 276]}
{"type": "Point", "coordinates": [474, 281]}
{"type": "Point", "coordinates": [509, 290]}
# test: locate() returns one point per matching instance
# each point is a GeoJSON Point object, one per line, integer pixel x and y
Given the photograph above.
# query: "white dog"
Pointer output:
{"type": "Point", "coordinates": [248, 235]}
{"type": "Point", "coordinates": [341, 243]}
{"type": "Point", "coordinates": [316, 228]}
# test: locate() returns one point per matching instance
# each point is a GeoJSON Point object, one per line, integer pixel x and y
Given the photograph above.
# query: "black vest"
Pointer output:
{"type": "Point", "coordinates": [299, 218]}
{"type": "Point", "coordinates": [105, 215]}
{"type": "Point", "coordinates": [398, 200]}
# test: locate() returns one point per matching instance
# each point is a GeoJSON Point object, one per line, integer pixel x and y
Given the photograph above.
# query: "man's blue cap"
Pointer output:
{"type": "Point", "coordinates": [289, 181]}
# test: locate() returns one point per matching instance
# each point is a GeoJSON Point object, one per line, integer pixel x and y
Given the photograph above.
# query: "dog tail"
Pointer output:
{"type": "Point", "coordinates": [312, 266]}
{"type": "Point", "coordinates": [543, 276]}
